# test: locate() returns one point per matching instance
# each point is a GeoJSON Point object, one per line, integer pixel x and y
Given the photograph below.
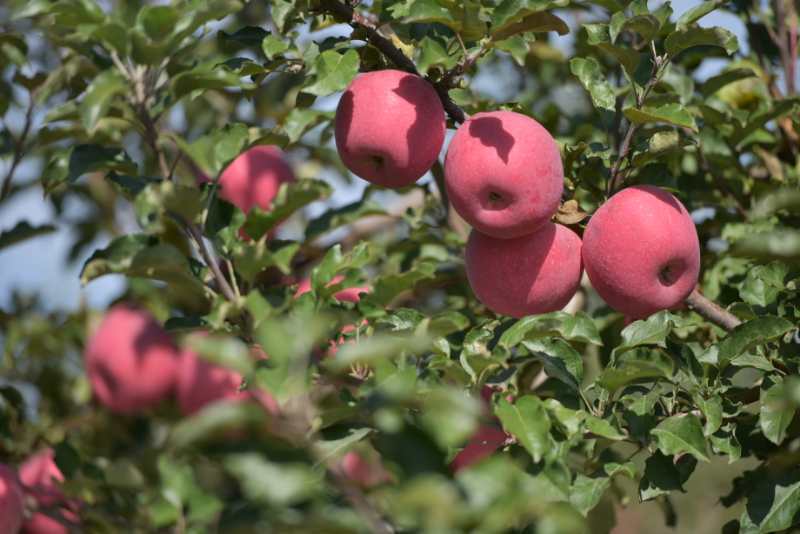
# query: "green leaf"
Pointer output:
{"type": "Point", "coordinates": [663, 476]}
{"type": "Point", "coordinates": [763, 283]}
{"type": "Point", "coordinates": [684, 38]}
{"type": "Point", "coordinates": [751, 334]}
{"type": "Point", "coordinates": [646, 26]}
{"type": "Point", "coordinates": [784, 198]}
{"type": "Point", "coordinates": [652, 331]}
{"type": "Point", "coordinates": [697, 12]}
{"type": "Point", "coordinates": [511, 12]}
{"type": "Point", "coordinates": [681, 434]}
{"type": "Point", "coordinates": [527, 420]}
{"type": "Point", "coordinates": [579, 327]}
{"type": "Point", "coordinates": [594, 80]}
{"type": "Point", "coordinates": [779, 244]}
{"type": "Point", "coordinates": [290, 198]}
{"type": "Point", "coordinates": [715, 83]}
{"type": "Point", "coordinates": [335, 448]}
{"type": "Point", "coordinates": [434, 52]}
{"type": "Point", "coordinates": [336, 218]}
{"type": "Point", "coordinates": [92, 158]}
{"type": "Point", "coordinates": [158, 22]}
{"type": "Point", "coordinates": [772, 505]}
{"type": "Point", "coordinates": [333, 72]}
{"type": "Point", "coordinates": [559, 359]}
{"type": "Point", "coordinates": [143, 256]}
{"type": "Point", "coordinates": [213, 419]}
{"type": "Point", "coordinates": [450, 416]}
{"type": "Point", "coordinates": [388, 286]}
{"type": "Point", "coordinates": [279, 484]}
{"type": "Point", "coordinates": [776, 413]}
{"type": "Point", "coordinates": [23, 231]}
{"type": "Point", "coordinates": [300, 120]}
{"type": "Point", "coordinates": [273, 46]}
{"type": "Point", "coordinates": [251, 258]}
{"type": "Point", "coordinates": [423, 11]}
{"type": "Point", "coordinates": [541, 21]}
{"type": "Point", "coordinates": [201, 78]}
{"type": "Point", "coordinates": [586, 492]}
{"type": "Point", "coordinates": [98, 97]}
{"type": "Point", "coordinates": [634, 366]}
{"type": "Point", "coordinates": [376, 349]}
{"type": "Point", "coordinates": [673, 113]}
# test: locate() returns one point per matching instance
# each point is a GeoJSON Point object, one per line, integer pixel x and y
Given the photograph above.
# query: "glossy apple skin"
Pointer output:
{"type": "Point", "coordinates": [486, 440]}
{"type": "Point", "coordinates": [641, 251]}
{"type": "Point", "coordinates": [389, 127]}
{"type": "Point", "coordinates": [503, 174]}
{"type": "Point", "coordinates": [254, 177]}
{"type": "Point", "coordinates": [41, 479]}
{"type": "Point", "coordinates": [535, 273]}
{"type": "Point", "coordinates": [348, 294]}
{"type": "Point", "coordinates": [11, 501]}
{"type": "Point", "coordinates": [201, 383]}
{"type": "Point", "coordinates": [131, 361]}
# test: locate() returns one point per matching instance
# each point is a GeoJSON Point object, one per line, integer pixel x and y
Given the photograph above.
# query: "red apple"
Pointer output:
{"type": "Point", "coordinates": [535, 273]}
{"type": "Point", "coordinates": [641, 251]}
{"type": "Point", "coordinates": [201, 382]}
{"type": "Point", "coordinates": [503, 174]}
{"type": "Point", "coordinates": [486, 440]}
{"type": "Point", "coordinates": [131, 361]}
{"type": "Point", "coordinates": [349, 294]}
{"type": "Point", "coordinates": [390, 127]}
{"type": "Point", "coordinates": [366, 472]}
{"type": "Point", "coordinates": [254, 177]}
{"type": "Point", "coordinates": [41, 479]}
{"type": "Point", "coordinates": [11, 501]}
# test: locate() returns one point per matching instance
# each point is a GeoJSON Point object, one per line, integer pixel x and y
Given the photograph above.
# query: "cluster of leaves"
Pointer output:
{"type": "Point", "coordinates": [133, 108]}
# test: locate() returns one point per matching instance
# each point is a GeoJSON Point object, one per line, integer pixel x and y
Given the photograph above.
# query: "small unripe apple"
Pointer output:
{"type": "Point", "coordinates": [41, 479]}
{"type": "Point", "coordinates": [200, 382]}
{"type": "Point", "coordinates": [348, 294]}
{"type": "Point", "coordinates": [503, 174]}
{"type": "Point", "coordinates": [390, 127]}
{"type": "Point", "coordinates": [11, 501]}
{"type": "Point", "coordinates": [641, 251]}
{"type": "Point", "coordinates": [535, 273]}
{"type": "Point", "coordinates": [131, 361]}
{"type": "Point", "coordinates": [486, 440]}
{"type": "Point", "coordinates": [254, 177]}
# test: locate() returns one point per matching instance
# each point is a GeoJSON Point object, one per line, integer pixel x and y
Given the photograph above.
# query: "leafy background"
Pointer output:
{"type": "Point", "coordinates": [113, 111]}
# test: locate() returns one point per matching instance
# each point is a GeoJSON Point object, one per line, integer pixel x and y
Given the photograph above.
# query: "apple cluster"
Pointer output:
{"type": "Point", "coordinates": [504, 176]}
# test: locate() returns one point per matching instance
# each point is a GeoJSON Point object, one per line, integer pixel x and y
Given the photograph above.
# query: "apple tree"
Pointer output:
{"type": "Point", "coordinates": [404, 265]}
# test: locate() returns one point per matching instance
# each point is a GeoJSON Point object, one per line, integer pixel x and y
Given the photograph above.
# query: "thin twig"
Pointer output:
{"type": "Point", "coordinates": [395, 55]}
{"type": "Point", "coordinates": [19, 149]}
{"type": "Point", "coordinates": [222, 282]}
{"type": "Point", "coordinates": [712, 311]}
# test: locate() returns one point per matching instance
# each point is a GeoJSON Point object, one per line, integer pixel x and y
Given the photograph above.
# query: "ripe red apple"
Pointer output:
{"type": "Point", "coordinates": [131, 361]}
{"type": "Point", "coordinates": [254, 177]}
{"type": "Point", "coordinates": [486, 440]}
{"type": "Point", "coordinates": [41, 479]}
{"type": "Point", "coordinates": [348, 294]}
{"type": "Point", "coordinates": [535, 273]}
{"type": "Point", "coordinates": [11, 501]}
{"type": "Point", "coordinates": [390, 127]}
{"type": "Point", "coordinates": [366, 472]}
{"type": "Point", "coordinates": [200, 382]}
{"type": "Point", "coordinates": [503, 174]}
{"type": "Point", "coordinates": [641, 251]}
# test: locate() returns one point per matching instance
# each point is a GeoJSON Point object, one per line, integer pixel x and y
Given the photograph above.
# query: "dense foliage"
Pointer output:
{"type": "Point", "coordinates": [136, 102]}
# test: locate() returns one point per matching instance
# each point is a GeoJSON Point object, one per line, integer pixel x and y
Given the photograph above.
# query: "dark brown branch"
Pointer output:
{"type": "Point", "coordinates": [357, 21]}
{"type": "Point", "coordinates": [19, 150]}
{"type": "Point", "coordinates": [712, 311]}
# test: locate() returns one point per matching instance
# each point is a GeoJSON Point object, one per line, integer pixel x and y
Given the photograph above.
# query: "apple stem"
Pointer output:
{"type": "Point", "coordinates": [712, 311]}
{"type": "Point", "coordinates": [402, 61]}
